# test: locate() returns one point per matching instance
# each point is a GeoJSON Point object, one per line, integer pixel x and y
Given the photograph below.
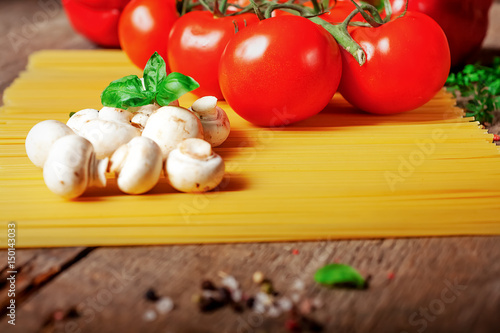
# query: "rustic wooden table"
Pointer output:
{"type": "Point", "coordinates": [448, 284]}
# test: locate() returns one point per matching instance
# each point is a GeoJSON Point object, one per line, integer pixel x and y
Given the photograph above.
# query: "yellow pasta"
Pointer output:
{"type": "Point", "coordinates": [340, 174]}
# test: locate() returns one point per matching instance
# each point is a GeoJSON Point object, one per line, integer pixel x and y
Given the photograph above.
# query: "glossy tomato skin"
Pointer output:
{"type": "Point", "coordinates": [97, 20]}
{"type": "Point", "coordinates": [196, 43]}
{"type": "Point", "coordinates": [280, 71]}
{"type": "Point", "coordinates": [408, 61]}
{"type": "Point", "coordinates": [144, 27]}
{"type": "Point", "coordinates": [464, 22]}
{"type": "Point", "coordinates": [336, 14]}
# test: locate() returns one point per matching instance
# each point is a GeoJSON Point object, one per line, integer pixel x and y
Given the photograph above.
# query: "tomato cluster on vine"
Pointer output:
{"type": "Point", "coordinates": [279, 63]}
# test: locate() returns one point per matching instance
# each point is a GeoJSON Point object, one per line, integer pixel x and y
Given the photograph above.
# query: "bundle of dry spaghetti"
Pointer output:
{"type": "Point", "coordinates": [340, 174]}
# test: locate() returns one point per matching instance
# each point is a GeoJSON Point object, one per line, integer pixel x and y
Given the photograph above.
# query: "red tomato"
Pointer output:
{"type": "Point", "coordinates": [144, 27]}
{"type": "Point", "coordinates": [279, 71]}
{"type": "Point", "coordinates": [408, 61]}
{"type": "Point", "coordinates": [339, 12]}
{"type": "Point", "coordinates": [96, 19]}
{"type": "Point", "coordinates": [196, 43]}
{"type": "Point", "coordinates": [464, 22]}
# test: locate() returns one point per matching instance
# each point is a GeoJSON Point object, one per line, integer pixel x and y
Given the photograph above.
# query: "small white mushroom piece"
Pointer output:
{"type": "Point", "coordinates": [107, 136]}
{"type": "Point", "coordinates": [72, 166]}
{"type": "Point", "coordinates": [141, 114]}
{"type": "Point", "coordinates": [214, 120]}
{"type": "Point", "coordinates": [116, 115]}
{"type": "Point", "coordinates": [194, 167]}
{"type": "Point", "coordinates": [170, 125]}
{"type": "Point", "coordinates": [80, 118]}
{"type": "Point", "coordinates": [106, 129]}
{"type": "Point", "coordinates": [41, 137]}
{"type": "Point", "coordinates": [138, 165]}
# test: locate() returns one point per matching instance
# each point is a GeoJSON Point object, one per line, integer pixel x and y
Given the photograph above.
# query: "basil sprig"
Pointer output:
{"type": "Point", "coordinates": [158, 87]}
{"type": "Point", "coordinates": [340, 275]}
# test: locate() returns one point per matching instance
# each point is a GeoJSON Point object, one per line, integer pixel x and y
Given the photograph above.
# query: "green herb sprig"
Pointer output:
{"type": "Point", "coordinates": [479, 89]}
{"type": "Point", "coordinates": [158, 87]}
{"type": "Point", "coordinates": [340, 275]}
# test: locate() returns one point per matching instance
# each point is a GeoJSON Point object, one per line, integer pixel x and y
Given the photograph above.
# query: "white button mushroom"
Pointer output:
{"type": "Point", "coordinates": [215, 123]}
{"type": "Point", "coordinates": [80, 118]}
{"type": "Point", "coordinates": [138, 165]}
{"type": "Point", "coordinates": [194, 167]}
{"type": "Point", "coordinates": [41, 137]}
{"type": "Point", "coordinates": [72, 166]}
{"type": "Point", "coordinates": [107, 136]}
{"type": "Point", "coordinates": [116, 115]}
{"type": "Point", "coordinates": [170, 125]}
{"type": "Point", "coordinates": [107, 129]}
{"type": "Point", "coordinates": [141, 114]}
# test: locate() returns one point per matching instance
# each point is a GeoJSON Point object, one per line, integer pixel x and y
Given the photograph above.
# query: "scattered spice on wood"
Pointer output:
{"type": "Point", "coordinates": [151, 295]}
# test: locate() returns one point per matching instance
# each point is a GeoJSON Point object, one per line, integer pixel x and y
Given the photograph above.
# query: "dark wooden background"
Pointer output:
{"type": "Point", "coordinates": [449, 284]}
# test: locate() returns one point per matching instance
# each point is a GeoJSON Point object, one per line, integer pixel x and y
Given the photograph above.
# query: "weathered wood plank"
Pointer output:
{"type": "Point", "coordinates": [35, 268]}
{"type": "Point", "coordinates": [451, 281]}
{"type": "Point", "coordinates": [108, 285]}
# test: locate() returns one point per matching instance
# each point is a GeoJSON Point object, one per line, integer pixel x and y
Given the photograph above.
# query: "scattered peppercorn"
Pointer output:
{"type": "Point", "coordinates": [250, 302]}
{"type": "Point", "coordinates": [207, 285]}
{"type": "Point", "coordinates": [151, 295]}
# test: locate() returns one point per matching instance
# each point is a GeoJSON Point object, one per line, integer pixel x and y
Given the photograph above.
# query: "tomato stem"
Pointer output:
{"type": "Point", "coordinates": [316, 7]}
{"type": "Point", "coordinates": [406, 9]}
{"type": "Point", "coordinates": [257, 10]}
{"type": "Point", "coordinates": [388, 10]}
{"type": "Point", "coordinates": [374, 20]}
{"type": "Point", "coordinates": [205, 5]}
{"type": "Point", "coordinates": [340, 33]}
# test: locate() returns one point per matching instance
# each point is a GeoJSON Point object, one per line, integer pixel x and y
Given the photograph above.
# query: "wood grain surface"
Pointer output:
{"type": "Point", "coordinates": [448, 284]}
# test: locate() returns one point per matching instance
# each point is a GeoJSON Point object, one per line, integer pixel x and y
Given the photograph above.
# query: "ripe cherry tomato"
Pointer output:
{"type": "Point", "coordinates": [336, 14]}
{"type": "Point", "coordinates": [96, 19]}
{"type": "Point", "coordinates": [464, 22]}
{"type": "Point", "coordinates": [279, 71]}
{"type": "Point", "coordinates": [144, 27]}
{"type": "Point", "coordinates": [408, 61]}
{"type": "Point", "coordinates": [196, 43]}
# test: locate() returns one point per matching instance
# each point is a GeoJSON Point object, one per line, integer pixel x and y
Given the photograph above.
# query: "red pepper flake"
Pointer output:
{"type": "Point", "coordinates": [496, 137]}
{"type": "Point", "coordinates": [292, 325]}
{"type": "Point", "coordinates": [390, 276]}
{"type": "Point", "coordinates": [58, 315]}
{"type": "Point", "coordinates": [295, 251]}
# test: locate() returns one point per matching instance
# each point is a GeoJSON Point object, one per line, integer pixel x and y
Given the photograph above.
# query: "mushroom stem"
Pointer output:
{"type": "Point", "coordinates": [216, 126]}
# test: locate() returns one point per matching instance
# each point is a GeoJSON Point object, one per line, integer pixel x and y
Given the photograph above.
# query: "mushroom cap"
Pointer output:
{"type": "Point", "coordinates": [194, 167]}
{"type": "Point", "coordinates": [107, 136]}
{"type": "Point", "coordinates": [138, 165]}
{"type": "Point", "coordinates": [142, 113]}
{"type": "Point", "coordinates": [80, 118]}
{"type": "Point", "coordinates": [66, 171]}
{"type": "Point", "coordinates": [170, 125]}
{"type": "Point", "coordinates": [216, 126]}
{"type": "Point", "coordinates": [41, 137]}
{"type": "Point", "coordinates": [115, 114]}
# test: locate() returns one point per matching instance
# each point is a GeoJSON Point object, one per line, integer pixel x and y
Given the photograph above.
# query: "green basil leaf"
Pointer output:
{"type": "Point", "coordinates": [71, 114]}
{"type": "Point", "coordinates": [126, 92]}
{"type": "Point", "coordinates": [154, 72]}
{"type": "Point", "coordinates": [340, 275]}
{"type": "Point", "coordinates": [174, 86]}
